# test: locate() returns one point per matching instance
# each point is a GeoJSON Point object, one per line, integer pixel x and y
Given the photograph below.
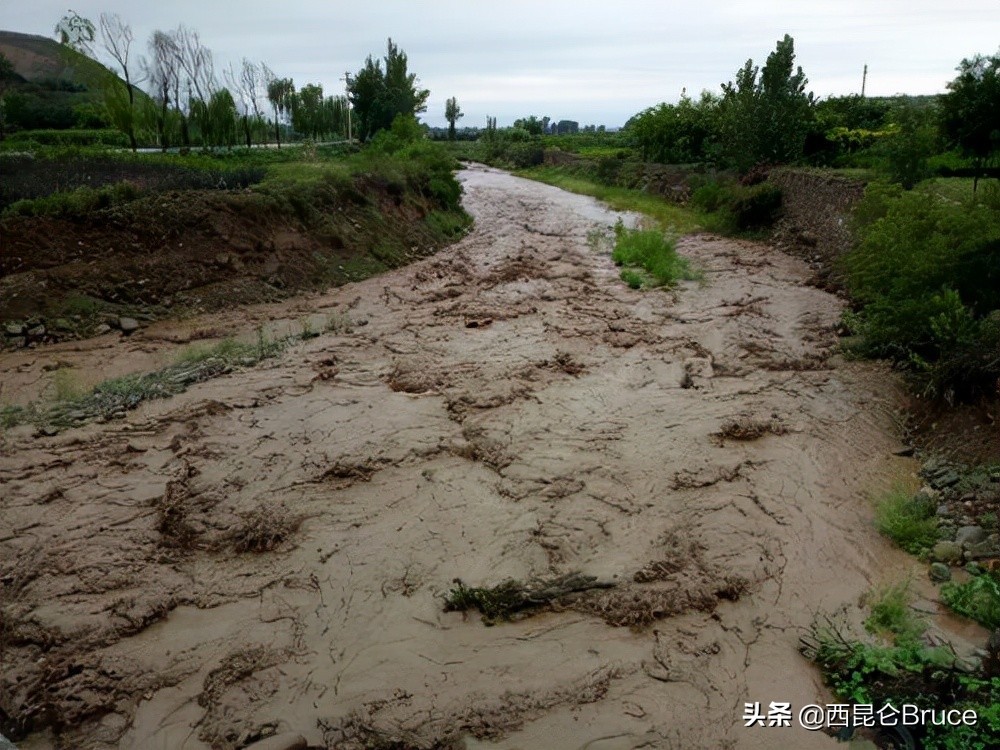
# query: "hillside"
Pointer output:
{"type": "Point", "coordinates": [58, 86]}
{"type": "Point", "coordinates": [38, 58]}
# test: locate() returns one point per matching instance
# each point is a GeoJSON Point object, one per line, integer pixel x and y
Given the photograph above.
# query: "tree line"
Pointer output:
{"type": "Point", "coordinates": [766, 115]}
{"type": "Point", "coordinates": [175, 95]}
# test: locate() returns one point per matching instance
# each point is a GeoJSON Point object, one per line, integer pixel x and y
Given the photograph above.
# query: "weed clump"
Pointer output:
{"type": "Point", "coordinates": [651, 251]}
{"type": "Point", "coordinates": [513, 599]}
{"type": "Point", "coordinates": [263, 530]}
{"type": "Point", "coordinates": [978, 599]}
{"type": "Point", "coordinates": [907, 520]}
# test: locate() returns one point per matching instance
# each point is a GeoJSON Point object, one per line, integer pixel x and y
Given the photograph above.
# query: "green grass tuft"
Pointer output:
{"type": "Point", "coordinates": [907, 520]}
{"type": "Point", "coordinates": [652, 251]}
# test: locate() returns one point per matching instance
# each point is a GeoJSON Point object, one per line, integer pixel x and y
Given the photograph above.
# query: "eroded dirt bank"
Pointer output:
{"type": "Point", "coordinates": [508, 408]}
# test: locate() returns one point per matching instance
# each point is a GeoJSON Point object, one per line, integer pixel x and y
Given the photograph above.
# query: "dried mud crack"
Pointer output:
{"type": "Point", "coordinates": [271, 550]}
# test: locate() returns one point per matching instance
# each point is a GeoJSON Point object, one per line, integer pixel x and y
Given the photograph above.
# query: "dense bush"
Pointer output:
{"type": "Point", "coordinates": [755, 207]}
{"type": "Point", "coordinates": [78, 137]}
{"type": "Point", "coordinates": [926, 275]}
{"type": "Point", "coordinates": [75, 203]}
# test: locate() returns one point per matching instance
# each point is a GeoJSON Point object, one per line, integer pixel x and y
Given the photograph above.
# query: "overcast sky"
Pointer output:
{"type": "Point", "coordinates": [595, 62]}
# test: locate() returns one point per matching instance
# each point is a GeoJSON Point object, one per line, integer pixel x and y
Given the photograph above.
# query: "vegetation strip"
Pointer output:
{"type": "Point", "coordinates": [113, 398]}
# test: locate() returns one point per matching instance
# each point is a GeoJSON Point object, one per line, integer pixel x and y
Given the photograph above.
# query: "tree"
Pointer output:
{"type": "Point", "coordinates": [971, 111]}
{"type": "Point", "coordinates": [280, 92]}
{"type": "Point", "coordinates": [307, 110]}
{"type": "Point", "coordinates": [162, 72]}
{"type": "Point", "coordinates": [452, 114]}
{"type": "Point", "coordinates": [532, 124]}
{"type": "Point", "coordinates": [379, 95]}
{"type": "Point", "coordinates": [247, 87]}
{"type": "Point", "coordinates": [76, 32]}
{"type": "Point", "coordinates": [681, 133]}
{"type": "Point", "coordinates": [765, 119]}
{"type": "Point", "coordinates": [117, 38]}
{"type": "Point", "coordinates": [7, 77]}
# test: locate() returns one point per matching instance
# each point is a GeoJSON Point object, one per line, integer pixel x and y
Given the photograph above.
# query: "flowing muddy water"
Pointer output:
{"type": "Point", "coordinates": [505, 409]}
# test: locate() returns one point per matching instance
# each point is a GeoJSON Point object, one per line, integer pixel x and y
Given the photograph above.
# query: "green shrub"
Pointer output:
{"type": "Point", "coordinates": [75, 204]}
{"type": "Point", "coordinates": [907, 520]}
{"type": "Point", "coordinates": [755, 207]}
{"type": "Point", "coordinates": [652, 251]}
{"type": "Point", "coordinates": [632, 277]}
{"type": "Point", "coordinates": [977, 599]}
{"type": "Point", "coordinates": [892, 615]}
{"type": "Point", "coordinates": [711, 196]}
{"type": "Point", "coordinates": [926, 274]}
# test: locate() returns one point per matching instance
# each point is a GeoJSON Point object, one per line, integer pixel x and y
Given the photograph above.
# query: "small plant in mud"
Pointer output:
{"type": "Point", "coordinates": [633, 278]}
{"type": "Point", "coordinates": [907, 520]}
{"type": "Point", "coordinates": [512, 599]}
{"type": "Point", "coordinates": [891, 616]}
{"type": "Point", "coordinates": [750, 428]}
{"type": "Point", "coordinates": [263, 529]}
{"type": "Point", "coordinates": [338, 322]}
{"type": "Point", "coordinates": [653, 252]}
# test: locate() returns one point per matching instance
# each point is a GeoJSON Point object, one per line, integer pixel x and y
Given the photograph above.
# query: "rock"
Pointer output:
{"type": "Point", "coordinates": [947, 479]}
{"type": "Point", "coordinates": [939, 572]}
{"type": "Point", "coordinates": [14, 329]}
{"type": "Point", "coordinates": [18, 341]}
{"type": "Point", "coordinates": [970, 535]}
{"type": "Point", "coordinates": [128, 325]}
{"type": "Point", "coordinates": [6, 744]}
{"type": "Point", "coordinates": [62, 324]}
{"type": "Point", "coordinates": [36, 332]}
{"type": "Point", "coordinates": [942, 510]}
{"type": "Point", "coordinates": [102, 329]}
{"type": "Point", "coordinates": [947, 552]}
{"type": "Point", "coordinates": [283, 741]}
{"type": "Point", "coordinates": [905, 451]}
{"type": "Point", "coordinates": [983, 550]}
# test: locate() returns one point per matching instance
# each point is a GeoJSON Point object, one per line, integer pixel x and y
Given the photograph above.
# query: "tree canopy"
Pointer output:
{"type": "Point", "coordinates": [378, 94]}
{"type": "Point", "coordinates": [971, 109]}
{"type": "Point", "coordinates": [765, 113]}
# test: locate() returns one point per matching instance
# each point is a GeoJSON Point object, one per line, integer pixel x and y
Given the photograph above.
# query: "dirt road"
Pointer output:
{"type": "Point", "coordinates": [505, 409]}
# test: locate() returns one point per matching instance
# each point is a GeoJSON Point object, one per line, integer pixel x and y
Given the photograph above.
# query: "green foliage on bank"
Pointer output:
{"type": "Point", "coordinates": [925, 276]}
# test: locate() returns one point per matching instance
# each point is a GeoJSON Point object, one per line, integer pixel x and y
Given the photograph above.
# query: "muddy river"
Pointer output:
{"type": "Point", "coordinates": [507, 408]}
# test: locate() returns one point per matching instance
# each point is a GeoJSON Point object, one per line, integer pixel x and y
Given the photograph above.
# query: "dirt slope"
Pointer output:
{"type": "Point", "coordinates": [508, 408]}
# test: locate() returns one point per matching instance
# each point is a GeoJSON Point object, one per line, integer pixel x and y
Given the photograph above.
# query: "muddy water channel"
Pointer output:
{"type": "Point", "coordinates": [270, 550]}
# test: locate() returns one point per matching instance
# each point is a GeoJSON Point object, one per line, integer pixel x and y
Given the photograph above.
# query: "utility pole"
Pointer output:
{"type": "Point", "coordinates": [864, 80]}
{"type": "Point", "coordinates": [347, 80]}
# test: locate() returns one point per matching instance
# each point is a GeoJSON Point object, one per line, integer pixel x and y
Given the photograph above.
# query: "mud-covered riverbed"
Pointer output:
{"type": "Point", "coordinates": [505, 409]}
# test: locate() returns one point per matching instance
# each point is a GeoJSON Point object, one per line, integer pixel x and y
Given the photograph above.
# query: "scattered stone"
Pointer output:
{"type": "Point", "coordinates": [102, 329]}
{"type": "Point", "coordinates": [983, 551]}
{"type": "Point", "coordinates": [14, 329]}
{"type": "Point", "coordinates": [62, 324]}
{"type": "Point", "coordinates": [128, 325]}
{"type": "Point", "coordinates": [942, 510]}
{"type": "Point", "coordinates": [939, 572]}
{"type": "Point", "coordinates": [36, 332]}
{"type": "Point", "coordinates": [905, 452]}
{"type": "Point", "coordinates": [970, 535]}
{"type": "Point", "coordinates": [18, 342]}
{"type": "Point", "coordinates": [948, 479]}
{"type": "Point", "coordinates": [947, 552]}
{"type": "Point", "coordinates": [283, 741]}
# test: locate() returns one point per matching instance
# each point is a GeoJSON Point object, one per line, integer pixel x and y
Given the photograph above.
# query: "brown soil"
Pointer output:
{"type": "Point", "coordinates": [270, 550]}
{"type": "Point", "coordinates": [200, 251]}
